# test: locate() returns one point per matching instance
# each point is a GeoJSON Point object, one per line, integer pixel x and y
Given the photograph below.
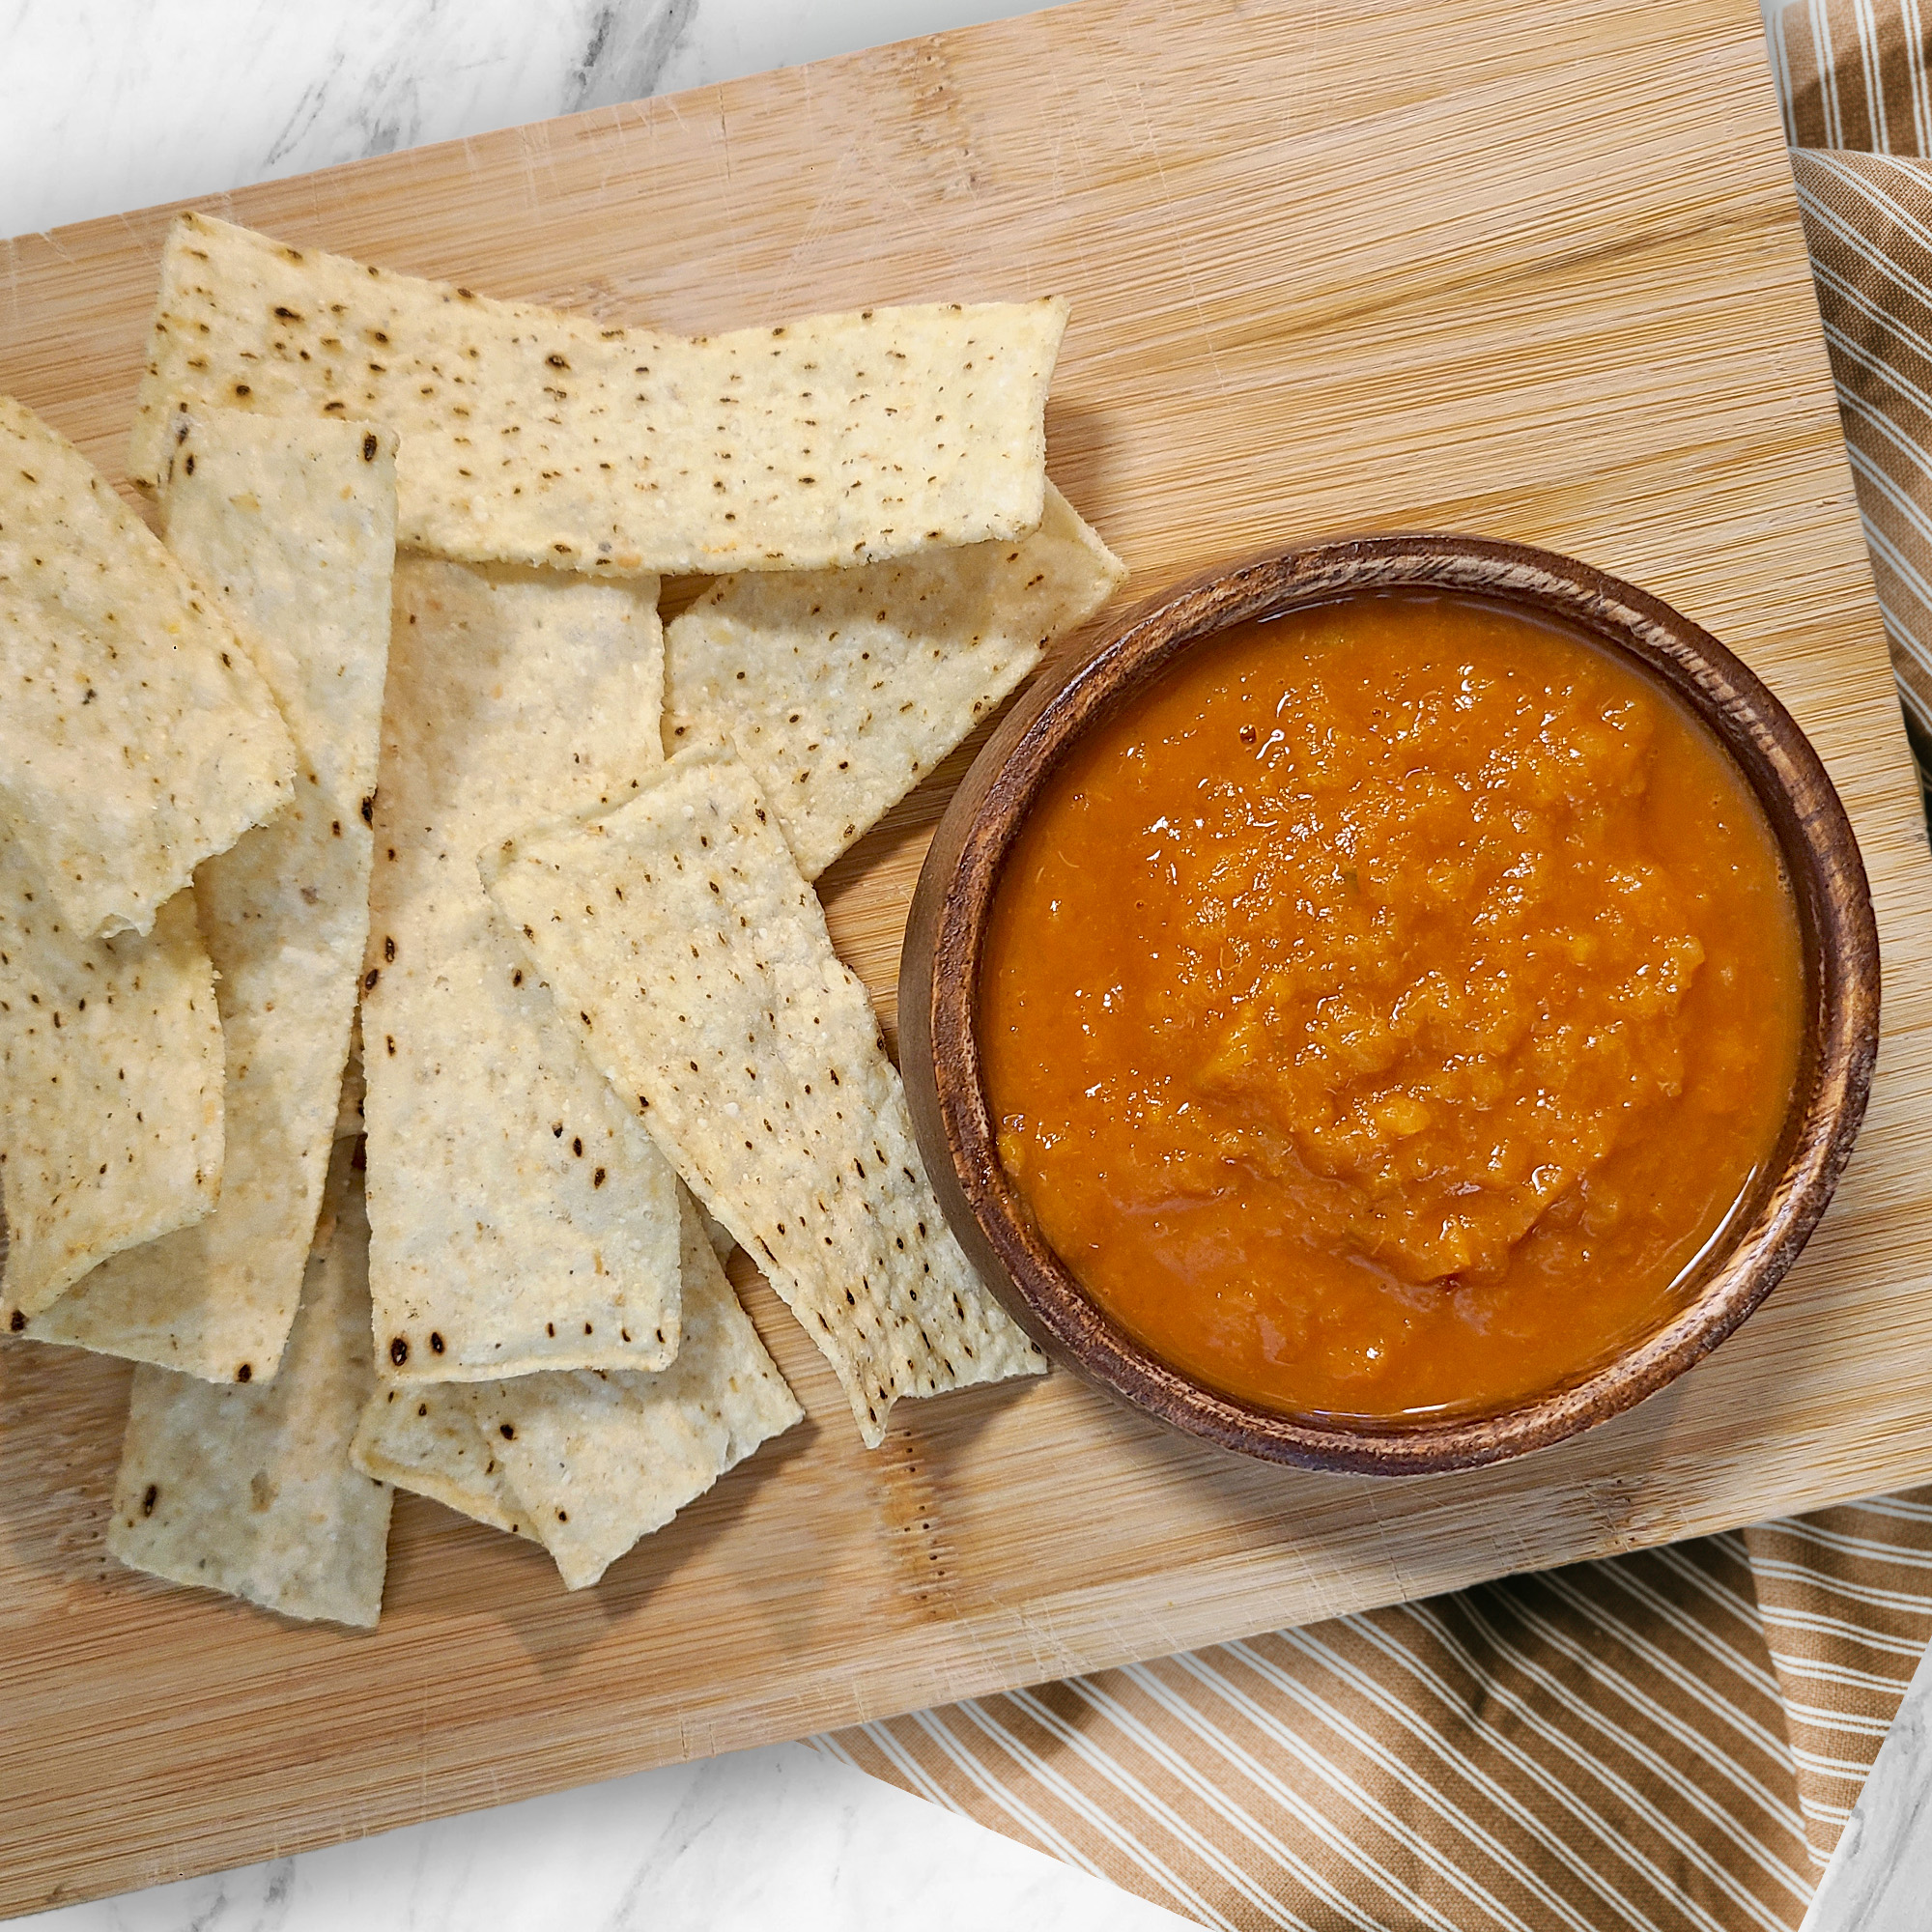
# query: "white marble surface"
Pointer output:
{"type": "Point", "coordinates": [112, 104]}
{"type": "Point", "coordinates": [763, 1839]}
{"type": "Point", "coordinates": [1880, 1878]}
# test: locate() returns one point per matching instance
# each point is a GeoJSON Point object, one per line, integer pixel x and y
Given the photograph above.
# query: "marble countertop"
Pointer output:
{"type": "Point", "coordinates": [107, 106]}
{"type": "Point", "coordinates": [781, 1837]}
{"type": "Point", "coordinates": [1880, 1878]}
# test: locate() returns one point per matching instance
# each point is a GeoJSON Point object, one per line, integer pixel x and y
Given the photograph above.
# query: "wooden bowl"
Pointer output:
{"type": "Point", "coordinates": [945, 938]}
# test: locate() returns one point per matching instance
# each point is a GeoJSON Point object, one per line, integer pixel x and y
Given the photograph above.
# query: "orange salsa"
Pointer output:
{"type": "Point", "coordinates": [1383, 1013]}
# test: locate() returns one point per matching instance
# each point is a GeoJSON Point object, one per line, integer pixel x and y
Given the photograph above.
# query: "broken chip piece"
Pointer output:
{"type": "Point", "coordinates": [426, 1437]}
{"type": "Point", "coordinates": [599, 1461]}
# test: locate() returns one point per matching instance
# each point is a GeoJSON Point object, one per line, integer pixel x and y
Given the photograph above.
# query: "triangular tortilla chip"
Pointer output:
{"type": "Point", "coordinates": [136, 737]}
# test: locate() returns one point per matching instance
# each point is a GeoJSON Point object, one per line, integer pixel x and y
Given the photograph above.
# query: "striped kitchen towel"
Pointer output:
{"type": "Point", "coordinates": [1855, 81]}
{"type": "Point", "coordinates": [1672, 1739]}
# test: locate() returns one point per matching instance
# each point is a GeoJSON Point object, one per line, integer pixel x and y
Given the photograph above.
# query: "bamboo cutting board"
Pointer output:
{"type": "Point", "coordinates": [1534, 273]}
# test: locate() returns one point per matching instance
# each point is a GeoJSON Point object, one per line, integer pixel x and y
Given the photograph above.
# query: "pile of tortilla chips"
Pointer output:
{"type": "Point", "coordinates": [410, 978]}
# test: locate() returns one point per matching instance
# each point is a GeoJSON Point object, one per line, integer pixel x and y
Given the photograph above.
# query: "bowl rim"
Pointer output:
{"type": "Point", "coordinates": [945, 941]}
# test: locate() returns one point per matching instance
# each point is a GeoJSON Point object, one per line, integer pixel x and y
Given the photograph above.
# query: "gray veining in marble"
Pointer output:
{"type": "Point", "coordinates": [1880, 1878]}
{"type": "Point", "coordinates": [112, 104]}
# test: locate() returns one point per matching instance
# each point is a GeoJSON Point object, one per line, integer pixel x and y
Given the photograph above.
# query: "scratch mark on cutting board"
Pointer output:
{"type": "Point", "coordinates": [1386, 1546]}
{"type": "Point", "coordinates": [940, 239]}
{"type": "Point", "coordinates": [526, 142]}
{"type": "Point", "coordinates": [52, 239]}
{"type": "Point", "coordinates": [1064, 124]}
{"type": "Point", "coordinates": [823, 218]}
{"type": "Point", "coordinates": [730, 196]}
{"type": "Point", "coordinates": [1177, 228]}
{"type": "Point", "coordinates": [631, 120]}
{"type": "Point", "coordinates": [422, 1754]}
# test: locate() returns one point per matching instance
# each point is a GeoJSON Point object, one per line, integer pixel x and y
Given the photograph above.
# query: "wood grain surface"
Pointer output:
{"type": "Point", "coordinates": [1532, 273]}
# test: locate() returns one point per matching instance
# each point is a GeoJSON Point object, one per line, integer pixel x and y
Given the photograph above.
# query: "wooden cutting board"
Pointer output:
{"type": "Point", "coordinates": [1529, 271]}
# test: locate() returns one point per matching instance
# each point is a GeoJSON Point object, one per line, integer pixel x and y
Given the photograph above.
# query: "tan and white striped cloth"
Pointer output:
{"type": "Point", "coordinates": [1854, 81]}
{"type": "Point", "coordinates": [1667, 1739]}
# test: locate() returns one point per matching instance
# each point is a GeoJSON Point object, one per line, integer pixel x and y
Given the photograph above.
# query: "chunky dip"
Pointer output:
{"type": "Point", "coordinates": [1383, 1014]}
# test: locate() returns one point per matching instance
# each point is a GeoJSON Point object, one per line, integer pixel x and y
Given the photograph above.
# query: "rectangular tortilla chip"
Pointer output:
{"type": "Point", "coordinates": [534, 436]}
{"type": "Point", "coordinates": [292, 526]}
{"type": "Point", "coordinates": [843, 689]}
{"type": "Point", "coordinates": [249, 1491]}
{"type": "Point", "coordinates": [136, 737]}
{"type": "Point", "coordinates": [679, 931]}
{"type": "Point", "coordinates": [427, 1437]}
{"type": "Point", "coordinates": [110, 1089]}
{"type": "Point", "coordinates": [522, 1218]}
{"type": "Point", "coordinates": [598, 1462]}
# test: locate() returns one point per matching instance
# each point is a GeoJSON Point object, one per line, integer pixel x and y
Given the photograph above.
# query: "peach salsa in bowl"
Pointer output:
{"type": "Point", "coordinates": [1393, 1006]}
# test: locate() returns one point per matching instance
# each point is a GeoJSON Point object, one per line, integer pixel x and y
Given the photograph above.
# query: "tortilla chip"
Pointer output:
{"type": "Point", "coordinates": [522, 1218]}
{"type": "Point", "coordinates": [427, 1438]}
{"type": "Point", "coordinates": [250, 1489]}
{"type": "Point", "coordinates": [110, 1089]}
{"type": "Point", "coordinates": [843, 689]}
{"type": "Point", "coordinates": [599, 1461]}
{"type": "Point", "coordinates": [679, 931]}
{"type": "Point", "coordinates": [136, 737]}
{"type": "Point", "coordinates": [533, 436]}
{"type": "Point", "coordinates": [292, 525]}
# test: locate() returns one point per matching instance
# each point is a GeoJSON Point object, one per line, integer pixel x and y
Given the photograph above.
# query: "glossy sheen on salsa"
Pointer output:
{"type": "Point", "coordinates": [1381, 1013]}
